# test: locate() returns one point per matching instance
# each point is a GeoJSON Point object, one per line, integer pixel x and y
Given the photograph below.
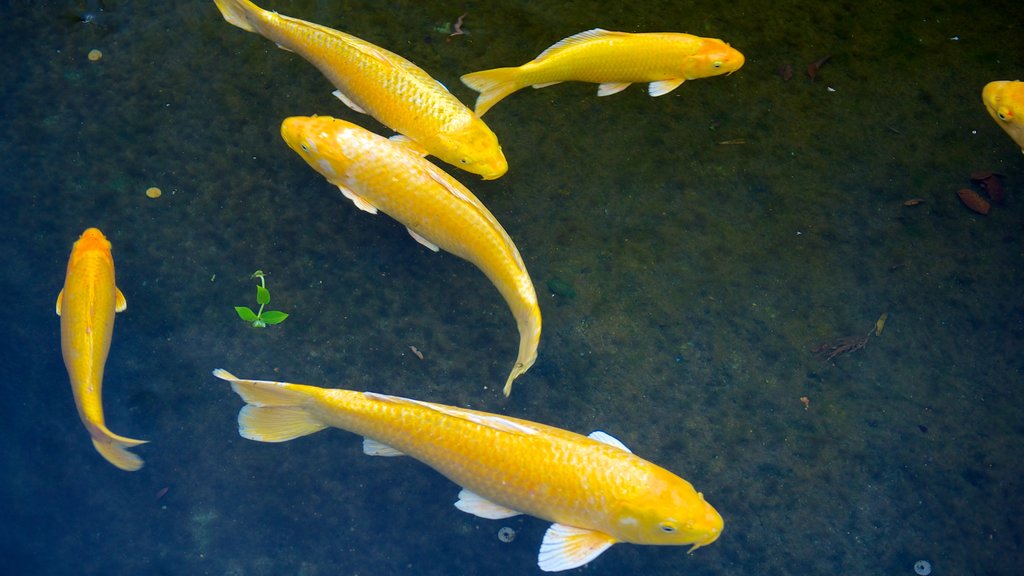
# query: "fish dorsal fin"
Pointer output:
{"type": "Point", "coordinates": [609, 88]}
{"type": "Point", "coordinates": [576, 39]}
{"type": "Point", "coordinates": [60, 299]}
{"type": "Point", "coordinates": [372, 447]}
{"type": "Point", "coordinates": [606, 438]}
{"type": "Point", "coordinates": [360, 202]}
{"type": "Point", "coordinates": [419, 238]}
{"type": "Point", "coordinates": [477, 505]}
{"type": "Point", "coordinates": [441, 178]}
{"type": "Point", "coordinates": [566, 547]}
{"type": "Point", "coordinates": [409, 144]}
{"type": "Point", "coordinates": [120, 304]}
{"type": "Point", "coordinates": [489, 420]}
{"type": "Point", "coordinates": [662, 87]}
{"type": "Point", "coordinates": [348, 101]}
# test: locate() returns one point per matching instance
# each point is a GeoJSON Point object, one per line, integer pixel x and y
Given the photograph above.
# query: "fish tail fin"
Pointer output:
{"type": "Point", "coordinates": [239, 13]}
{"type": "Point", "coordinates": [529, 340]}
{"type": "Point", "coordinates": [274, 411]}
{"type": "Point", "coordinates": [115, 448]}
{"type": "Point", "coordinates": [493, 85]}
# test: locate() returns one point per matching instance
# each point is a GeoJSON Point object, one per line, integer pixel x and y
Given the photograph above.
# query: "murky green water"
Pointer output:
{"type": "Point", "coordinates": [699, 244]}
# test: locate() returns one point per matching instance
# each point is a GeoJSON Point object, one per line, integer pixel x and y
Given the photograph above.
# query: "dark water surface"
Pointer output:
{"type": "Point", "coordinates": [700, 245]}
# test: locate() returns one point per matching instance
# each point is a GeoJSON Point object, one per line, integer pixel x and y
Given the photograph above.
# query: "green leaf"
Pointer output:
{"type": "Point", "coordinates": [274, 317]}
{"type": "Point", "coordinates": [262, 295]}
{"type": "Point", "coordinates": [245, 313]}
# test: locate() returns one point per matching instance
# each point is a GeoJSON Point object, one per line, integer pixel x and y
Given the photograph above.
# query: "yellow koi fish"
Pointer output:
{"type": "Point", "coordinates": [373, 81]}
{"type": "Point", "coordinates": [439, 212]}
{"type": "Point", "coordinates": [595, 491]}
{"type": "Point", "coordinates": [1004, 101]}
{"type": "Point", "coordinates": [86, 307]}
{"type": "Point", "coordinates": [614, 60]}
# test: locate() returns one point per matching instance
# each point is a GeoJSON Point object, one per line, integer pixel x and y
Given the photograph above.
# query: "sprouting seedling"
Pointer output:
{"type": "Point", "coordinates": [260, 319]}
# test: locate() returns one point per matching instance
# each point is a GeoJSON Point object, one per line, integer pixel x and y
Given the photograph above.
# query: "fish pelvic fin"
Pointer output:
{"type": "Point", "coordinates": [239, 12]}
{"type": "Point", "coordinates": [115, 448]}
{"type": "Point", "coordinates": [274, 411]}
{"type": "Point", "coordinates": [493, 86]}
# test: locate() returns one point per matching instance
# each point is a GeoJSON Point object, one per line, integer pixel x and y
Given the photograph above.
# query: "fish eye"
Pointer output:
{"type": "Point", "coordinates": [463, 160]}
{"type": "Point", "coordinates": [304, 146]}
{"type": "Point", "coordinates": [668, 528]}
{"type": "Point", "coordinates": [716, 64]}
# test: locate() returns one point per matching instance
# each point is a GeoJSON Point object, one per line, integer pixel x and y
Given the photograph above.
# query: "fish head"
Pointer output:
{"type": "Point", "coordinates": [91, 241]}
{"type": "Point", "coordinates": [327, 144]}
{"type": "Point", "coordinates": [475, 149]}
{"type": "Point", "coordinates": [714, 58]}
{"type": "Point", "coordinates": [668, 511]}
{"type": "Point", "coordinates": [1004, 100]}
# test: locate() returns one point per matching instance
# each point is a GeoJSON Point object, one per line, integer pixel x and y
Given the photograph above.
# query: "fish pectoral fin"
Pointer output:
{"type": "Point", "coordinates": [372, 447]}
{"type": "Point", "coordinates": [609, 88]}
{"type": "Point", "coordinates": [60, 298]}
{"type": "Point", "coordinates": [566, 547]}
{"type": "Point", "coordinates": [422, 240]}
{"type": "Point", "coordinates": [546, 84]}
{"type": "Point", "coordinates": [285, 48]}
{"type": "Point", "coordinates": [348, 102]}
{"type": "Point", "coordinates": [477, 505]}
{"type": "Point", "coordinates": [410, 145]}
{"type": "Point", "coordinates": [119, 302]}
{"type": "Point", "coordinates": [360, 202]}
{"type": "Point", "coordinates": [662, 87]}
{"type": "Point", "coordinates": [608, 439]}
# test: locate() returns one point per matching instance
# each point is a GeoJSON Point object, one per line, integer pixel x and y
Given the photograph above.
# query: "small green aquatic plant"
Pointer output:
{"type": "Point", "coordinates": [262, 318]}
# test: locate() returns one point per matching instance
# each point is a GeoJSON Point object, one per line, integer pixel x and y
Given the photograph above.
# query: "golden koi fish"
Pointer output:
{"type": "Point", "coordinates": [439, 212]}
{"type": "Point", "coordinates": [614, 60]}
{"type": "Point", "coordinates": [86, 307]}
{"type": "Point", "coordinates": [595, 491]}
{"type": "Point", "coordinates": [1004, 101]}
{"type": "Point", "coordinates": [373, 81]}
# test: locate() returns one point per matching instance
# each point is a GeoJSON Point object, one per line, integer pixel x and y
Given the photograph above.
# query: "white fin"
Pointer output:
{"type": "Point", "coordinates": [348, 102]}
{"type": "Point", "coordinates": [372, 447]}
{"type": "Point", "coordinates": [546, 84]}
{"type": "Point", "coordinates": [285, 48]}
{"type": "Point", "coordinates": [609, 88]}
{"type": "Point", "coordinates": [60, 299]}
{"type": "Point", "coordinates": [409, 144]}
{"type": "Point", "coordinates": [119, 302]}
{"type": "Point", "coordinates": [580, 38]}
{"type": "Point", "coordinates": [566, 547]}
{"type": "Point", "coordinates": [422, 240]}
{"type": "Point", "coordinates": [608, 439]}
{"type": "Point", "coordinates": [358, 200]}
{"type": "Point", "coordinates": [662, 87]}
{"type": "Point", "coordinates": [488, 420]}
{"type": "Point", "coordinates": [477, 505]}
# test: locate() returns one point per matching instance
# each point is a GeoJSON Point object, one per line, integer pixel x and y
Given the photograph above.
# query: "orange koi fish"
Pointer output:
{"type": "Point", "coordinates": [86, 307]}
